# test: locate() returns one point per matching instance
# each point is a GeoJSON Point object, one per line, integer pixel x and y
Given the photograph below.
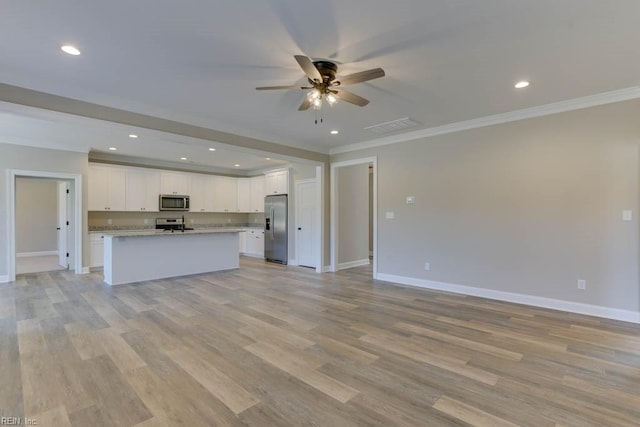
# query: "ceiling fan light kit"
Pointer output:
{"type": "Point", "coordinates": [325, 85]}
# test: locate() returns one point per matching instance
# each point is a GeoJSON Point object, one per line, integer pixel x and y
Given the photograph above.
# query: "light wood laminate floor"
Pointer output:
{"type": "Point", "coordinates": [270, 345]}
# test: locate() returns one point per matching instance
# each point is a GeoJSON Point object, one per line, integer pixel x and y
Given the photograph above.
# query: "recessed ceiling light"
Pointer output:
{"type": "Point", "coordinates": [134, 136]}
{"type": "Point", "coordinates": [112, 148]}
{"type": "Point", "coordinates": [183, 158]}
{"type": "Point", "coordinates": [522, 84]}
{"type": "Point", "coordinates": [212, 149]}
{"type": "Point", "coordinates": [237, 165]}
{"type": "Point", "coordinates": [335, 132]}
{"type": "Point", "coordinates": [267, 158]}
{"type": "Point", "coordinates": [71, 50]}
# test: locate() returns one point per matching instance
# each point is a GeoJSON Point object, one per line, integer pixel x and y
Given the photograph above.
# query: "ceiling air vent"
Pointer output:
{"type": "Point", "coordinates": [392, 126]}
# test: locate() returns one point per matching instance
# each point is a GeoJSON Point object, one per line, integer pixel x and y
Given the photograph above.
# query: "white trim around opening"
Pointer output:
{"type": "Point", "coordinates": [76, 187]}
{"type": "Point", "coordinates": [334, 210]}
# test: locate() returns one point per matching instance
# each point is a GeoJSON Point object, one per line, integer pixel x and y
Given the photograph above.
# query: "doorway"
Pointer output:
{"type": "Point", "coordinates": [41, 225]}
{"type": "Point", "coordinates": [72, 238]}
{"type": "Point", "coordinates": [351, 199]}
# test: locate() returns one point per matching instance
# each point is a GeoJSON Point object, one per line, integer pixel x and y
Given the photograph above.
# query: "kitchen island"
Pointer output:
{"type": "Point", "coordinates": [135, 256]}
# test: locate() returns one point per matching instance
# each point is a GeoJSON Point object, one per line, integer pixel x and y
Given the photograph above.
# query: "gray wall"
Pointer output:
{"type": "Point", "coordinates": [36, 215]}
{"type": "Point", "coordinates": [353, 213]}
{"type": "Point", "coordinates": [39, 159]}
{"type": "Point", "coordinates": [528, 207]}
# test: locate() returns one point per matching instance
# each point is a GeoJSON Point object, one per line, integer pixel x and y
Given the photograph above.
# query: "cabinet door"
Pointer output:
{"type": "Point", "coordinates": [97, 249]}
{"type": "Point", "coordinates": [142, 190]}
{"type": "Point", "coordinates": [117, 190]}
{"type": "Point", "coordinates": [257, 194]}
{"type": "Point", "coordinates": [225, 194]}
{"type": "Point", "coordinates": [152, 191]}
{"type": "Point", "coordinates": [198, 194]}
{"type": "Point", "coordinates": [174, 183]}
{"type": "Point", "coordinates": [259, 242]}
{"type": "Point", "coordinates": [277, 182]}
{"type": "Point", "coordinates": [97, 186]}
{"type": "Point", "coordinates": [107, 188]}
{"type": "Point", "coordinates": [242, 242]}
{"type": "Point", "coordinates": [244, 195]}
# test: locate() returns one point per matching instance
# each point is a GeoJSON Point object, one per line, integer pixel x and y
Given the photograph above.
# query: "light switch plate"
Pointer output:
{"type": "Point", "coordinates": [627, 215]}
{"type": "Point", "coordinates": [390, 215]}
{"type": "Point", "coordinates": [411, 200]}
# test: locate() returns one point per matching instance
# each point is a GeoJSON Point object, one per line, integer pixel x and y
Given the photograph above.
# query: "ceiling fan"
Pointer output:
{"type": "Point", "coordinates": [325, 85]}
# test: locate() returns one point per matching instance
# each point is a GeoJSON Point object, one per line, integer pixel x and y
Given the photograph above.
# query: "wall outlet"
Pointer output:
{"type": "Point", "coordinates": [582, 284]}
{"type": "Point", "coordinates": [411, 200]}
{"type": "Point", "coordinates": [191, 221]}
{"type": "Point", "coordinates": [427, 266]}
{"type": "Point", "coordinates": [109, 221]}
{"type": "Point", "coordinates": [146, 221]}
{"type": "Point", "coordinates": [228, 219]}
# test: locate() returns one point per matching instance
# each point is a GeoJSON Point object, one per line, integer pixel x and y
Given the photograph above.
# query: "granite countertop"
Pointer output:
{"type": "Point", "coordinates": [154, 232]}
{"type": "Point", "coordinates": [115, 228]}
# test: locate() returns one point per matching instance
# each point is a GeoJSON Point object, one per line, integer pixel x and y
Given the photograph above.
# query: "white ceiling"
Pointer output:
{"type": "Point", "coordinates": [198, 61]}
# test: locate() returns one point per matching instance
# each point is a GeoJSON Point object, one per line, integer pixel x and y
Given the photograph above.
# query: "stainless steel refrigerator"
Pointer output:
{"type": "Point", "coordinates": [275, 228]}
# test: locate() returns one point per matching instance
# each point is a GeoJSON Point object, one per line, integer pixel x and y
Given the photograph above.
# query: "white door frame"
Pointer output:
{"type": "Point", "coordinates": [334, 210]}
{"type": "Point", "coordinates": [76, 188]}
{"type": "Point", "coordinates": [320, 203]}
{"type": "Point", "coordinates": [62, 188]}
{"type": "Point", "coordinates": [295, 185]}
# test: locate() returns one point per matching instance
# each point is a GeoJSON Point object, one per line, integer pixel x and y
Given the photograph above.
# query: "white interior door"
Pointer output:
{"type": "Point", "coordinates": [306, 211]}
{"type": "Point", "coordinates": [63, 228]}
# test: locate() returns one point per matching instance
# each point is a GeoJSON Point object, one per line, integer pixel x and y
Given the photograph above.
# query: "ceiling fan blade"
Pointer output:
{"type": "Point", "coordinates": [352, 98]}
{"type": "Point", "coordinates": [309, 69]}
{"type": "Point", "coordinates": [306, 104]}
{"type": "Point", "coordinates": [281, 87]}
{"type": "Point", "coordinates": [362, 76]}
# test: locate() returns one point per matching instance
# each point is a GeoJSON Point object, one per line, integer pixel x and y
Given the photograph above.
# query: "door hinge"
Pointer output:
{"type": "Point", "coordinates": [67, 191]}
{"type": "Point", "coordinates": [67, 254]}
{"type": "Point", "coordinates": [67, 222]}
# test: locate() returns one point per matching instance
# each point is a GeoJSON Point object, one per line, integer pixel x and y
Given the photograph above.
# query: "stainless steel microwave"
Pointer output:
{"type": "Point", "coordinates": [172, 202]}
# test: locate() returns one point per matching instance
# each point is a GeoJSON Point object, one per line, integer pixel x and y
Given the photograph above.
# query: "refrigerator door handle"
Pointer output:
{"type": "Point", "coordinates": [273, 221]}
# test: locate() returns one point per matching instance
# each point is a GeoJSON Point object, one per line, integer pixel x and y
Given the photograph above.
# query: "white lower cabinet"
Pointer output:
{"type": "Point", "coordinates": [254, 242]}
{"type": "Point", "coordinates": [97, 249]}
{"type": "Point", "coordinates": [242, 241]}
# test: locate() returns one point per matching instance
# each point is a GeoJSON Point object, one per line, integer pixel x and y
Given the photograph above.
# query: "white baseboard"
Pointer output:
{"type": "Point", "coordinates": [29, 254]}
{"type": "Point", "coordinates": [252, 255]}
{"type": "Point", "coordinates": [85, 270]}
{"type": "Point", "coordinates": [4, 279]}
{"type": "Point", "coordinates": [326, 269]}
{"type": "Point", "coordinates": [352, 264]}
{"type": "Point", "coordinates": [555, 304]}
{"type": "Point", "coordinates": [292, 262]}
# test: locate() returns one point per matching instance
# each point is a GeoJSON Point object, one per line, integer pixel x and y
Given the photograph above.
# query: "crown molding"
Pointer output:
{"type": "Point", "coordinates": [25, 142]}
{"type": "Point", "coordinates": [512, 116]}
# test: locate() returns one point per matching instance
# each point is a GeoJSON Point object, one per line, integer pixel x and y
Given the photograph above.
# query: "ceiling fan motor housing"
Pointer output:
{"type": "Point", "coordinates": [327, 69]}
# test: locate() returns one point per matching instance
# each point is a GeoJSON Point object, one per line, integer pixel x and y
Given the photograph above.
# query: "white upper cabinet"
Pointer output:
{"type": "Point", "coordinates": [225, 190]}
{"type": "Point", "coordinates": [124, 188]}
{"type": "Point", "coordinates": [174, 183]}
{"type": "Point", "coordinates": [277, 182]}
{"type": "Point", "coordinates": [142, 190]}
{"type": "Point", "coordinates": [257, 194]}
{"type": "Point", "coordinates": [244, 194]}
{"type": "Point", "coordinates": [106, 188]}
{"type": "Point", "coordinates": [201, 193]}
